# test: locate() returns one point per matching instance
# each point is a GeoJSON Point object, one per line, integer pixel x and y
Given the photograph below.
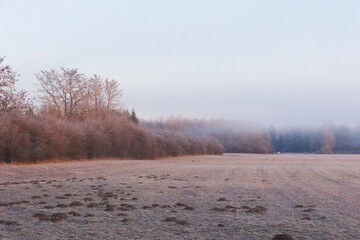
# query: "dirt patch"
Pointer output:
{"type": "Point", "coordinates": [257, 210]}
{"type": "Point", "coordinates": [230, 207]}
{"type": "Point", "coordinates": [282, 237]}
{"type": "Point", "coordinates": [177, 221]}
{"type": "Point", "coordinates": [41, 216]}
{"type": "Point", "coordinates": [180, 205]}
{"type": "Point", "coordinates": [9, 223]}
{"type": "Point", "coordinates": [189, 208]}
{"type": "Point", "coordinates": [76, 204]}
{"type": "Point", "coordinates": [223, 199]}
{"type": "Point", "coordinates": [128, 206]}
{"type": "Point", "coordinates": [61, 205]}
{"type": "Point", "coordinates": [110, 208]}
{"type": "Point", "coordinates": [57, 217]}
{"type": "Point", "coordinates": [75, 214]}
{"type": "Point", "coordinates": [49, 207]}
{"type": "Point", "coordinates": [309, 210]}
{"type": "Point", "coordinates": [126, 220]}
{"type": "Point", "coordinates": [93, 205]}
{"type": "Point", "coordinates": [61, 197]}
{"type": "Point", "coordinates": [35, 197]}
{"type": "Point", "coordinates": [220, 209]}
{"type": "Point", "coordinates": [88, 199]}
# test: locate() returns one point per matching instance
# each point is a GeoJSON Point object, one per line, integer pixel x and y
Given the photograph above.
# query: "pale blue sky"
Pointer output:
{"type": "Point", "coordinates": [275, 62]}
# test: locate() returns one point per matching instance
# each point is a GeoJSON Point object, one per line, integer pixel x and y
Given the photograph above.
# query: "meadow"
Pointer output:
{"type": "Point", "coordinates": [230, 196]}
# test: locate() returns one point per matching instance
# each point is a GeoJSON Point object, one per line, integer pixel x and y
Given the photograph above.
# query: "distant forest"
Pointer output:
{"type": "Point", "coordinates": [247, 137]}
{"type": "Point", "coordinates": [75, 116]}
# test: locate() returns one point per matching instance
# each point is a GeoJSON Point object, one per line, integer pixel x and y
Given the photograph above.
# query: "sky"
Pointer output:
{"type": "Point", "coordinates": [273, 62]}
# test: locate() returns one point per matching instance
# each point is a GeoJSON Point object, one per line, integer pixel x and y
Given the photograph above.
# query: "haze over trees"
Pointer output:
{"type": "Point", "coordinates": [235, 136]}
{"type": "Point", "coordinates": [81, 117]}
{"type": "Point", "coordinates": [247, 137]}
{"type": "Point", "coordinates": [328, 138]}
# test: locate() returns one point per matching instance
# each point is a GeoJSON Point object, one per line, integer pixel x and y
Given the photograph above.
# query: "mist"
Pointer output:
{"type": "Point", "coordinates": [270, 62]}
{"type": "Point", "coordinates": [251, 137]}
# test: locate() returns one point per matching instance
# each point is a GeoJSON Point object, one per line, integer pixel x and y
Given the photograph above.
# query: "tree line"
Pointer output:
{"type": "Point", "coordinates": [75, 116]}
{"type": "Point", "coordinates": [248, 137]}
{"type": "Point", "coordinates": [328, 138]}
{"type": "Point", "coordinates": [235, 136]}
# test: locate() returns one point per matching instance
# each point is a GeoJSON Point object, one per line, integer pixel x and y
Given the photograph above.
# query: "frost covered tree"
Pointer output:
{"type": "Point", "coordinates": [63, 92]}
{"type": "Point", "coordinates": [68, 94]}
{"type": "Point", "coordinates": [11, 100]}
{"type": "Point", "coordinates": [103, 95]}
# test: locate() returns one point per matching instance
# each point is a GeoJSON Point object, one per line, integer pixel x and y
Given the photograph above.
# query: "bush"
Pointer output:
{"type": "Point", "coordinates": [35, 138]}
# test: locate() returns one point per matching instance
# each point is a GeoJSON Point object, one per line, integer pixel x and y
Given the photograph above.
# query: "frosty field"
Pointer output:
{"type": "Point", "coordinates": [201, 197]}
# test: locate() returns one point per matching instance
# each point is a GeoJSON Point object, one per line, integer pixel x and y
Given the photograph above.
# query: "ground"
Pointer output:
{"type": "Point", "coordinates": [234, 196]}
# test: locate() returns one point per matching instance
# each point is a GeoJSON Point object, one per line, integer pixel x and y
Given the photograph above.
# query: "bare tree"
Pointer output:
{"type": "Point", "coordinates": [96, 100]}
{"type": "Point", "coordinates": [10, 98]}
{"type": "Point", "coordinates": [104, 94]}
{"type": "Point", "coordinates": [63, 91]}
{"type": "Point", "coordinates": [327, 140]}
{"type": "Point", "coordinates": [68, 93]}
{"type": "Point", "coordinates": [113, 93]}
